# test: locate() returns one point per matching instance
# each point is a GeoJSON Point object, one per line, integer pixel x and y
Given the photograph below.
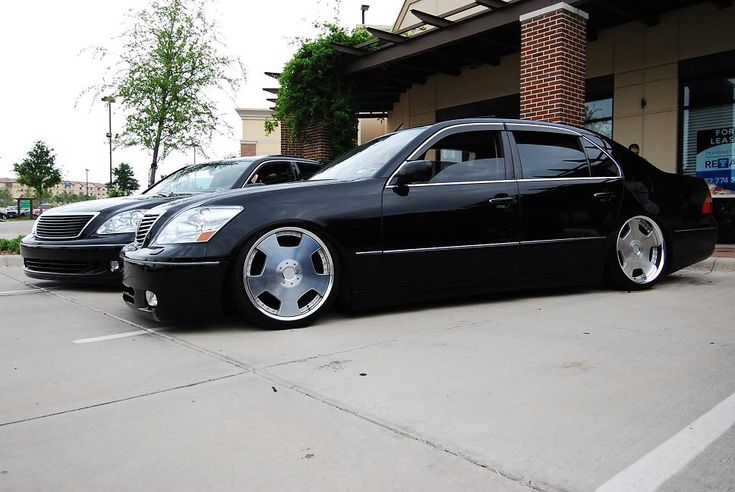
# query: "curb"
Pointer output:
{"type": "Point", "coordinates": [11, 260]}
{"type": "Point", "coordinates": [714, 264]}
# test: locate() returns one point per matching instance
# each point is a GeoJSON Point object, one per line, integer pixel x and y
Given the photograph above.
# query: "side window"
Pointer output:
{"type": "Point", "coordinates": [307, 169]}
{"type": "Point", "coordinates": [600, 163]}
{"type": "Point", "coordinates": [273, 173]}
{"type": "Point", "coordinates": [466, 156]}
{"type": "Point", "coordinates": [551, 155]}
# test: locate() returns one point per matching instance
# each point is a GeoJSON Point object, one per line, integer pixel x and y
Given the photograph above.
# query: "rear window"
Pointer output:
{"type": "Point", "coordinates": [551, 155]}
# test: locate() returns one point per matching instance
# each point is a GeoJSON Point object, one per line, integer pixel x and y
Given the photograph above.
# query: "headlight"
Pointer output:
{"type": "Point", "coordinates": [122, 222]}
{"type": "Point", "coordinates": [196, 225]}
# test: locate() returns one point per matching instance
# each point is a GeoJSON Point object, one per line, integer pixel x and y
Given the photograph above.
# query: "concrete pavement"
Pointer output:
{"type": "Point", "coordinates": [10, 229]}
{"type": "Point", "coordinates": [561, 390]}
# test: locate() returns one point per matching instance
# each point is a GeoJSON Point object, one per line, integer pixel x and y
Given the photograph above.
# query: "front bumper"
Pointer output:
{"type": "Point", "coordinates": [79, 260]}
{"type": "Point", "coordinates": [184, 290]}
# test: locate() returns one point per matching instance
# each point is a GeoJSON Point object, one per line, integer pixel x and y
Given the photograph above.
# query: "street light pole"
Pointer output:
{"type": "Point", "coordinates": [109, 100]}
{"type": "Point", "coordinates": [364, 9]}
{"type": "Point", "coordinates": [87, 181]}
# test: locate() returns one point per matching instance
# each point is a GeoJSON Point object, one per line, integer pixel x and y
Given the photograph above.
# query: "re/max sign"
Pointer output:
{"type": "Point", "coordinates": [723, 163]}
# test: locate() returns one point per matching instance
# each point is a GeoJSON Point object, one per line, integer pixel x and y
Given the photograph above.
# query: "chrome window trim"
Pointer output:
{"type": "Point", "coordinates": [571, 132]}
{"type": "Point", "coordinates": [581, 178]}
{"type": "Point", "coordinates": [93, 214]}
{"type": "Point", "coordinates": [427, 140]}
{"type": "Point", "coordinates": [417, 185]}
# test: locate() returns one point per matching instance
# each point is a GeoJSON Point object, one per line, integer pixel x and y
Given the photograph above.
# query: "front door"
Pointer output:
{"type": "Point", "coordinates": [460, 222]}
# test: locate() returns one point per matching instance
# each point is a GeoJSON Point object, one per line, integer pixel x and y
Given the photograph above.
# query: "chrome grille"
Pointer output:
{"type": "Point", "coordinates": [61, 226]}
{"type": "Point", "coordinates": [145, 225]}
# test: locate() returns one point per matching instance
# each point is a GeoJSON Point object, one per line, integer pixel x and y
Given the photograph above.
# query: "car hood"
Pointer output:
{"type": "Point", "coordinates": [107, 205]}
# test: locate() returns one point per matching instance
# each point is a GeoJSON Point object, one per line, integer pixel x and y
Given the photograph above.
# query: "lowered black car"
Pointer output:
{"type": "Point", "coordinates": [454, 208]}
{"type": "Point", "coordinates": [82, 241]}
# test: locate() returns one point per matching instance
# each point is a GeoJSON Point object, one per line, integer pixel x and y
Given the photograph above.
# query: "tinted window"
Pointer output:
{"type": "Point", "coordinates": [273, 173]}
{"type": "Point", "coordinates": [201, 178]}
{"type": "Point", "coordinates": [307, 170]}
{"type": "Point", "coordinates": [466, 156]}
{"type": "Point", "coordinates": [551, 155]}
{"type": "Point", "coordinates": [369, 158]}
{"type": "Point", "coordinates": [600, 163]}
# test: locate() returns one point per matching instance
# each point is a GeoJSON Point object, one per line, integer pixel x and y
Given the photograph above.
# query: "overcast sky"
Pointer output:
{"type": "Point", "coordinates": [44, 69]}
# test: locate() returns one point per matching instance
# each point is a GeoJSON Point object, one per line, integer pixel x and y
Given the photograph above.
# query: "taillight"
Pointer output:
{"type": "Point", "coordinates": [707, 204]}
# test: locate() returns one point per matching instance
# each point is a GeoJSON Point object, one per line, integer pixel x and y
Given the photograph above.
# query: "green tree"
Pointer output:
{"type": "Point", "coordinates": [5, 197]}
{"type": "Point", "coordinates": [123, 181]}
{"type": "Point", "coordinates": [313, 90]}
{"type": "Point", "coordinates": [170, 65]}
{"type": "Point", "coordinates": [38, 170]}
{"type": "Point", "coordinates": [68, 197]}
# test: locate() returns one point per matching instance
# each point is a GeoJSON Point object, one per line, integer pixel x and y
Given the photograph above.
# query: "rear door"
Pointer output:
{"type": "Point", "coordinates": [570, 194]}
{"type": "Point", "coordinates": [461, 222]}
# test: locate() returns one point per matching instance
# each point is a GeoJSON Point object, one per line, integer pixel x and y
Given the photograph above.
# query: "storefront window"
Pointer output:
{"type": "Point", "coordinates": [708, 146]}
{"type": "Point", "coordinates": [599, 116]}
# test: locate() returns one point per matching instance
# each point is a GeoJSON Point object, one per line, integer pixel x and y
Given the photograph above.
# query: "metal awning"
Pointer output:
{"type": "Point", "coordinates": [392, 62]}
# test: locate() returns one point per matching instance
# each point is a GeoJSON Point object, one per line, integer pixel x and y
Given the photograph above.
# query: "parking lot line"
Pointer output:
{"type": "Point", "coordinates": [113, 337]}
{"type": "Point", "coordinates": [662, 463]}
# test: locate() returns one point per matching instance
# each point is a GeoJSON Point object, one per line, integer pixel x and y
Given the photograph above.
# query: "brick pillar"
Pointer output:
{"type": "Point", "coordinates": [553, 64]}
{"type": "Point", "coordinates": [318, 144]}
{"type": "Point", "coordinates": [291, 148]}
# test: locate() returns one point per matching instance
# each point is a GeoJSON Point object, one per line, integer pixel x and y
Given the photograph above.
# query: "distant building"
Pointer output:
{"type": "Point", "coordinates": [96, 190]}
{"type": "Point", "coordinates": [254, 140]}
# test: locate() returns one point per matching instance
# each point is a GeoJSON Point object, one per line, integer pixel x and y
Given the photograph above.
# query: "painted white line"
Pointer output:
{"type": "Point", "coordinates": [652, 470]}
{"type": "Point", "coordinates": [20, 292]}
{"type": "Point", "coordinates": [115, 336]}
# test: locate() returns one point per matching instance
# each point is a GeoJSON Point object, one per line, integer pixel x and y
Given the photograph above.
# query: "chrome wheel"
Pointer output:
{"type": "Point", "coordinates": [288, 274]}
{"type": "Point", "coordinates": [640, 250]}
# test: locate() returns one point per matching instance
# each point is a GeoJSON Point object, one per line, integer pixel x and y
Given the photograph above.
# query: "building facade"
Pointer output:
{"type": "Point", "coordinates": [254, 139]}
{"type": "Point", "coordinates": [95, 190]}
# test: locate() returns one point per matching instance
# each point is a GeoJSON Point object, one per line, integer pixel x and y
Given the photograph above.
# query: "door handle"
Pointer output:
{"type": "Point", "coordinates": [502, 201]}
{"type": "Point", "coordinates": [604, 196]}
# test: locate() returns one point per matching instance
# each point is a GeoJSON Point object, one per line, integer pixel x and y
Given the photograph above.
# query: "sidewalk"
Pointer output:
{"type": "Point", "coordinates": [724, 251]}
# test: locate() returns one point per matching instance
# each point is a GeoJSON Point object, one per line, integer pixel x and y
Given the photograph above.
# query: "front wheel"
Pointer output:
{"type": "Point", "coordinates": [285, 278]}
{"type": "Point", "coordinates": [639, 256]}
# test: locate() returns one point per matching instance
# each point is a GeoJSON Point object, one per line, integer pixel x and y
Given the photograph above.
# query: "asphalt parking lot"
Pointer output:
{"type": "Point", "coordinates": [562, 390]}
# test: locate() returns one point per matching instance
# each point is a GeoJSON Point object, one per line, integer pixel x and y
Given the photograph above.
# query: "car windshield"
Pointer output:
{"type": "Point", "coordinates": [367, 159]}
{"type": "Point", "coordinates": [201, 178]}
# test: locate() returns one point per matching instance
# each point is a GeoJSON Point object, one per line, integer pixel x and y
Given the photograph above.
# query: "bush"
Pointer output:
{"type": "Point", "coordinates": [10, 246]}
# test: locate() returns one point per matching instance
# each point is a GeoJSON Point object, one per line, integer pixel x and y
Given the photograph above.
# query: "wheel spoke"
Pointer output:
{"type": "Point", "coordinates": [319, 283]}
{"type": "Point", "coordinates": [261, 283]}
{"type": "Point", "coordinates": [289, 299]}
{"type": "Point", "coordinates": [305, 251]}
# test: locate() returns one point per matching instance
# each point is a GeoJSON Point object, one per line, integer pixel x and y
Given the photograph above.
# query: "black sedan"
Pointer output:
{"type": "Point", "coordinates": [82, 241]}
{"type": "Point", "coordinates": [450, 209]}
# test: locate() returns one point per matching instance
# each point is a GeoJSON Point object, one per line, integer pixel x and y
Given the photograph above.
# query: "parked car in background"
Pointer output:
{"type": "Point", "coordinates": [11, 211]}
{"type": "Point", "coordinates": [82, 241]}
{"type": "Point", "coordinates": [450, 209]}
{"type": "Point", "coordinates": [43, 208]}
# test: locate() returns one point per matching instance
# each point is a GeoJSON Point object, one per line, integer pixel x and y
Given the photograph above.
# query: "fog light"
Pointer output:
{"type": "Point", "coordinates": [151, 299]}
{"type": "Point", "coordinates": [114, 266]}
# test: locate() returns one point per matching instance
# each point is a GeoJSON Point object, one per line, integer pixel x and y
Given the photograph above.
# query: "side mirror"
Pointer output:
{"type": "Point", "coordinates": [413, 172]}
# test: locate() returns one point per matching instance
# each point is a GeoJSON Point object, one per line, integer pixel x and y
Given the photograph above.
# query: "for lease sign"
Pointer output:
{"type": "Point", "coordinates": [716, 157]}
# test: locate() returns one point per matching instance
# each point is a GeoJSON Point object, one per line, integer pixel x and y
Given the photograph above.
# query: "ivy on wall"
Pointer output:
{"type": "Point", "coordinates": [313, 90]}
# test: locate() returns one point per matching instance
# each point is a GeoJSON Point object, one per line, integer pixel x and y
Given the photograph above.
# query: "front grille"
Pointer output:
{"type": "Point", "coordinates": [62, 266]}
{"type": "Point", "coordinates": [144, 227]}
{"type": "Point", "coordinates": [61, 226]}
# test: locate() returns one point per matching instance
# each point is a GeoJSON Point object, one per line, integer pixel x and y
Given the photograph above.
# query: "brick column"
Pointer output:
{"type": "Point", "coordinates": [553, 64]}
{"type": "Point", "coordinates": [247, 149]}
{"type": "Point", "coordinates": [291, 148]}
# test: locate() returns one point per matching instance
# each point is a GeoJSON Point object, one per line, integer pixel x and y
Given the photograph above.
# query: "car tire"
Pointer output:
{"type": "Point", "coordinates": [285, 278]}
{"type": "Point", "coordinates": [639, 256]}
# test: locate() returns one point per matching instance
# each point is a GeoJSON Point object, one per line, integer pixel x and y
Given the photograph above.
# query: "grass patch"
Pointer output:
{"type": "Point", "coordinates": [10, 246]}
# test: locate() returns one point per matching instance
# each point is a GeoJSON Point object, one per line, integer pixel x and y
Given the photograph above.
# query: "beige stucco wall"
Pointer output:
{"type": "Point", "coordinates": [253, 131]}
{"type": "Point", "coordinates": [369, 128]}
{"type": "Point", "coordinates": [644, 61]}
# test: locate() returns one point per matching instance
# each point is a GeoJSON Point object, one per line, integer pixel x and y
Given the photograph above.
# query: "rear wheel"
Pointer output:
{"type": "Point", "coordinates": [285, 278]}
{"type": "Point", "coordinates": [639, 256]}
